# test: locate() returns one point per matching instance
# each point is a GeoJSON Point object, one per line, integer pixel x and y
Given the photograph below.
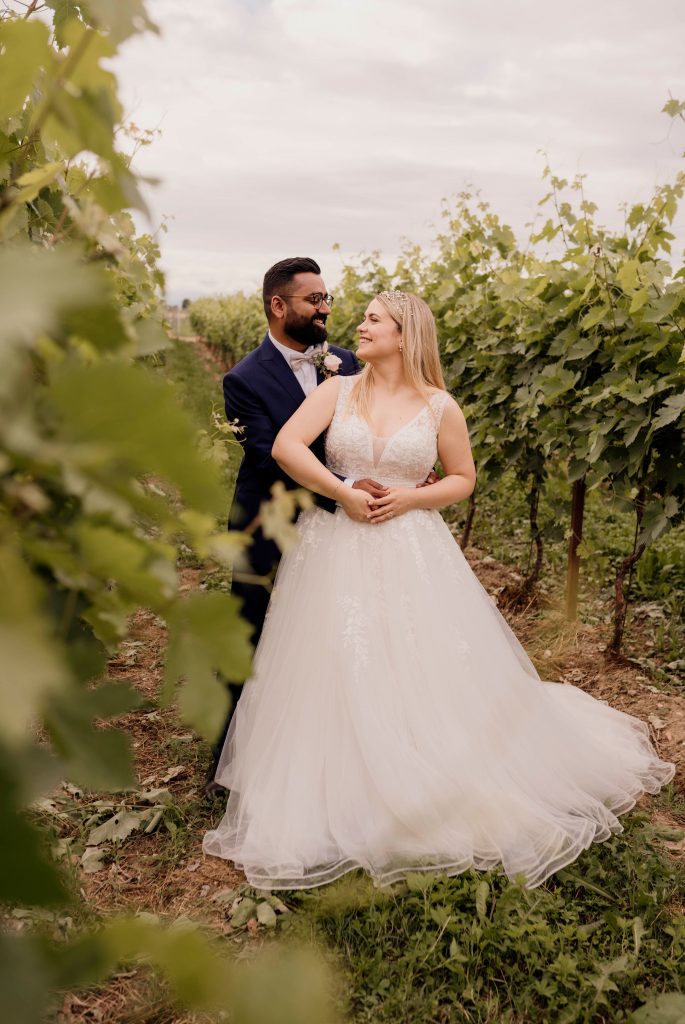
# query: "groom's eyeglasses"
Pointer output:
{"type": "Point", "coordinates": [316, 299]}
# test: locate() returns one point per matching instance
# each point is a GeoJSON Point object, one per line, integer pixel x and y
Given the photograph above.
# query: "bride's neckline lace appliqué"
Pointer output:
{"type": "Point", "coordinates": [402, 459]}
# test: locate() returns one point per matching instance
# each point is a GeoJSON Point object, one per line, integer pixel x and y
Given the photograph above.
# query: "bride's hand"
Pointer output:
{"type": "Point", "coordinates": [355, 502]}
{"type": "Point", "coordinates": [395, 503]}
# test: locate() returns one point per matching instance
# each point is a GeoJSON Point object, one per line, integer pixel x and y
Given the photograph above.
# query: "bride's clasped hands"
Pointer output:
{"type": "Point", "coordinates": [396, 502]}
{"type": "Point", "coordinates": [356, 504]}
{"type": "Point", "coordinates": [363, 508]}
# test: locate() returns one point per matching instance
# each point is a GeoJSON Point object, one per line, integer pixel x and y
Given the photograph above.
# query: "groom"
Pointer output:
{"type": "Point", "coordinates": [263, 391]}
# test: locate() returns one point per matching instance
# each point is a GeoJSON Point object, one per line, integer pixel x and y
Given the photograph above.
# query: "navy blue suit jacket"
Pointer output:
{"type": "Point", "coordinates": [262, 392]}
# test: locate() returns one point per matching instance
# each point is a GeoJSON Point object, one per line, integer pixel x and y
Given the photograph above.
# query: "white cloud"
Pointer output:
{"type": "Point", "coordinates": [289, 125]}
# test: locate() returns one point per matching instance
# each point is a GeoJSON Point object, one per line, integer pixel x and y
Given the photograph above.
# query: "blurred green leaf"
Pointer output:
{"type": "Point", "coordinates": [26, 50]}
{"type": "Point", "coordinates": [26, 875]}
{"type": "Point", "coordinates": [121, 18]}
{"type": "Point", "coordinates": [206, 636]}
{"type": "Point", "coordinates": [137, 419]}
{"type": "Point", "coordinates": [37, 286]}
{"type": "Point", "coordinates": [668, 1008]}
{"type": "Point", "coordinates": [283, 986]}
{"type": "Point", "coordinates": [25, 980]}
{"type": "Point", "coordinates": [96, 757]}
{"type": "Point", "coordinates": [99, 323]}
{"type": "Point", "coordinates": [151, 337]}
{"type": "Point", "coordinates": [32, 664]}
{"type": "Point", "coordinates": [143, 569]}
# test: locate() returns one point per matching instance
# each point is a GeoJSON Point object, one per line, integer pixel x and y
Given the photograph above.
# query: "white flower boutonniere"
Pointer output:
{"type": "Point", "coordinates": [327, 362]}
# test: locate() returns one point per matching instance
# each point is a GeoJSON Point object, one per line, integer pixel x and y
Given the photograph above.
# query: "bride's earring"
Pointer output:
{"type": "Point", "coordinates": [400, 346]}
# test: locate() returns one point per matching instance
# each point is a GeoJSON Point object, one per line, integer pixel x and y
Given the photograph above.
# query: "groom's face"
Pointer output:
{"type": "Point", "coordinates": [303, 322]}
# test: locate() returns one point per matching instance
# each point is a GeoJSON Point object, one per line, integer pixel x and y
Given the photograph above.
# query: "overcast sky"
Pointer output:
{"type": "Point", "coordinates": [289, 125]}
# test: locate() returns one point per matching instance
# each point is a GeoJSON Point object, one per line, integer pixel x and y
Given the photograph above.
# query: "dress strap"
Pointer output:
{"type": "Point", "coordinates": [438, 403]}
{"type": "Point", "coordinates": [344, 391]}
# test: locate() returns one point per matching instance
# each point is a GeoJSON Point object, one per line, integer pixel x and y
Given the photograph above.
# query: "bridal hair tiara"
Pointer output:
{"type": "Point", "coordinates": [399, 302]}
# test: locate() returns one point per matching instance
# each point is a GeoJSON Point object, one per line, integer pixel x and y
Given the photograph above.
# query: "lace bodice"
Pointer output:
{"type": "Point", "coordinates": [402, 460]}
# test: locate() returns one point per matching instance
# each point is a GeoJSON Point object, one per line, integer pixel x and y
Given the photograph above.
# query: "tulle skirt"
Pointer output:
{"type": "Point", "coordinates": [394, 723]}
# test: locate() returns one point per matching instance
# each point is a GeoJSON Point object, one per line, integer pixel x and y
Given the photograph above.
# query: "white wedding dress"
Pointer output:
{"type": "Point", "coordinates": [393, 721]}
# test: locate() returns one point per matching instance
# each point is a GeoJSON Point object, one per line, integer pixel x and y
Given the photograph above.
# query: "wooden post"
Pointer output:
{"type": "Point", "coordinates": [573, 569]}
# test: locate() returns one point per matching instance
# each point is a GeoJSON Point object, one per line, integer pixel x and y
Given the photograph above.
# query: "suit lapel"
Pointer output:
{"type": "Point", "coordinates": [274, 363]}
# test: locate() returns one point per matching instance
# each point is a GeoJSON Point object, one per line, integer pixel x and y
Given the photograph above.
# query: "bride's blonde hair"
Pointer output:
{"type": "Point", "coordinates": [419, 342]}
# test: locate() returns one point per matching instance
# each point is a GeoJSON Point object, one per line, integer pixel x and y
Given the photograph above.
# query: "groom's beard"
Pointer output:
{"type": "Point", "coordinates": [303, 329]}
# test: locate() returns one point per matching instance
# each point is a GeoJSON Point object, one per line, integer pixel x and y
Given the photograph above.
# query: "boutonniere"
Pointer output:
{"type": "Point", "coordinates": [327, 362]}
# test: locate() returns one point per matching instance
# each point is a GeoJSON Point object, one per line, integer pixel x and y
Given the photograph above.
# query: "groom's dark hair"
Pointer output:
{"type": "Point", "coordinates": [281, 274]}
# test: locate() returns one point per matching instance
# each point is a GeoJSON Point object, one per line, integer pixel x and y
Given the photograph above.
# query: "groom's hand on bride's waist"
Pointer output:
{"type": "Point", "coordinates": [371, 487]}
{"type": "Point", "coordinates": [377, 490]}
{"type": "Point", "coordinates": [432, 478]}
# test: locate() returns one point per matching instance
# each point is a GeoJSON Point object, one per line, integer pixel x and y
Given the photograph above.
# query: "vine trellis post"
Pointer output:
{"type": "Point", "coordinates": [573, 566]}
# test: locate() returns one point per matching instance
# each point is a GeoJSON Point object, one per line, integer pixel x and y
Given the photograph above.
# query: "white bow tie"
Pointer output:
{"type": "Point", "coordinates": [307, 357]}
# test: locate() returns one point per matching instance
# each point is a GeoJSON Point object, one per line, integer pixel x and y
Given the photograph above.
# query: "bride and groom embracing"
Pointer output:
{"type": "Point", "coordinates": [392, 721]}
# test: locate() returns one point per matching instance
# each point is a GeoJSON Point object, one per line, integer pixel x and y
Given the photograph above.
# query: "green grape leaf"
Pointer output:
{"type": "Point", "coordinates": [121, 18]}
{"type": "Point", "coordinates": [668, 1008]}
{"type": "Point", "coordinates": [26, 876]}
{"type": "Point", "coordinates": [132, 417]}
{"type": "Point", "coordinates": [151, 337]}
{"type": "Point", "coordinates": [98, 323]}
{"type": "Point", "coordinates": [143, 569]}
{"type": "Point", "coordinates": [26, 49]}
{"type": "Point", "coordinates": [32, 664]}
{"type": "Point", "coordinates": [638, 300]}
{"type": "Point", "coordinates": [25, 979]}
{"type": "Point", "coordinates": [33, 181]}
{"type": "Point", "coordinates": [98, 758]}
{"type": "Point", "coordinates": [37, 286]}
{"type": "Point", "coordinates": [206, 636]}
{"type": "Point", "coordinates": [671, 410]}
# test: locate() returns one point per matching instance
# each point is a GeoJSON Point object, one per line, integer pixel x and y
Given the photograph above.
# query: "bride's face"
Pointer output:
{"type": "Point", "coordinates": [379, 335]}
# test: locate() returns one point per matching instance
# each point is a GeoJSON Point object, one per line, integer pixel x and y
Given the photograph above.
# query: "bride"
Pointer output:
{"type": "Point", "coordinates": [393, 722]}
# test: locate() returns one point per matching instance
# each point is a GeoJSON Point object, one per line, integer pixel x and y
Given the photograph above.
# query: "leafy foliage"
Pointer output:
{"type": "Point", "coordinates": [566, 353]}
{"type": "Point", "coordinates": [232, 324]}
{"type": "Point", "coordinates": [102, 487]}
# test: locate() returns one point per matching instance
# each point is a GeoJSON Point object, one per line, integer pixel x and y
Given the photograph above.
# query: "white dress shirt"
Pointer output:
{"type": "Point", "coordinates": [306, 372]}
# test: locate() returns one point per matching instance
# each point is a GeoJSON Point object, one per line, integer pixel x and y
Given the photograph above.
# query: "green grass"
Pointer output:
{"type": "Point", "coordinates": [590, 946]}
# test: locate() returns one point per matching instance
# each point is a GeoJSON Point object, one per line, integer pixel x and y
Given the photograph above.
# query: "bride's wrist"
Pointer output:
{"type": "Point", "coordinates": [414, 496]}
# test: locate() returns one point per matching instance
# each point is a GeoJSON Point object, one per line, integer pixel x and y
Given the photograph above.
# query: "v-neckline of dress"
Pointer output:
{"type": "Point", "coordinates": [390, 437]}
